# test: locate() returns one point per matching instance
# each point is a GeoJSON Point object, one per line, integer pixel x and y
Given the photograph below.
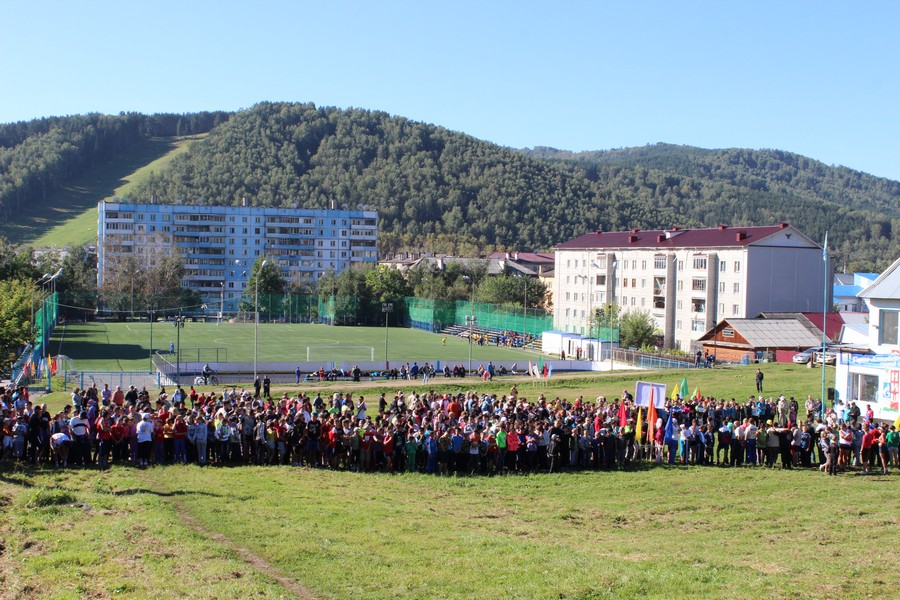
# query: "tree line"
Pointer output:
{"type": "Point", "coordinates": [444, 191]}
{"type": "Point", "coordinates": [38, 156]}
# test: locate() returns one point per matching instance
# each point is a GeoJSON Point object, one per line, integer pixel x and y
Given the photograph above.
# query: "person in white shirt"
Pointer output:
{"type": "Point", "coordinates": [145, 439]}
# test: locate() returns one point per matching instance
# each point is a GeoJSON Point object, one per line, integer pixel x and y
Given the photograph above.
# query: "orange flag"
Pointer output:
{"type": "Point", "coordinates": [651, 418]}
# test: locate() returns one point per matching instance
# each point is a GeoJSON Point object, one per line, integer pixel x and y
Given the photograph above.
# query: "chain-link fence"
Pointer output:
{"type": "Point", "coordinates": [435, 315]}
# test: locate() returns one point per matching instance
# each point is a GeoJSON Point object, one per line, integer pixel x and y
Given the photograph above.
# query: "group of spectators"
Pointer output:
{"type": "Point", "coordinates": [439, 433]}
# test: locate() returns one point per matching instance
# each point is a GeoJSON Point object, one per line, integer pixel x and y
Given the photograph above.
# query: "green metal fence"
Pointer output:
{"type": "Point", "coordinates": [434, 315]}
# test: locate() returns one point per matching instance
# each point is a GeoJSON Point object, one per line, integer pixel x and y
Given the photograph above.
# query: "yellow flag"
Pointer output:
{"type": "Point", "coordinates": [640, 422]}
{"type": "Point", "coordinates": [897, 423]}
{"type": "Point", "coordinates": [675, 389]}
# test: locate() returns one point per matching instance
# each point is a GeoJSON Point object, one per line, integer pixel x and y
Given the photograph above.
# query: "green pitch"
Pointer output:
{"type": "Point", "coordinates": [126, 346]}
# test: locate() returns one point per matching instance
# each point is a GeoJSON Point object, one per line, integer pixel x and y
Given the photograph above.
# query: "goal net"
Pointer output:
{"type": "Point", "coordinates": [340, 353]}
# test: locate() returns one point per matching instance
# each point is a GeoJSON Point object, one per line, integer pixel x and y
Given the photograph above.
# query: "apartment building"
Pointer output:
{"type": "Point", "coordinates": [218, 244]}
{"type": "Point", "coordinates": [688, 279]}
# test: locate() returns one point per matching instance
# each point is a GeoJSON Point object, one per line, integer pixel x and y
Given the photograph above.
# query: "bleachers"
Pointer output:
{"type": "Point", "coordinates": [492, 335]}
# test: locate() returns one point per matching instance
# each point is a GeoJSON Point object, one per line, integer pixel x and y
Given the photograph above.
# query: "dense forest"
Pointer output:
{"type": "Point", "coordinates": [445, 191]}
{"type": "Point", "coordinates": [38, 156]}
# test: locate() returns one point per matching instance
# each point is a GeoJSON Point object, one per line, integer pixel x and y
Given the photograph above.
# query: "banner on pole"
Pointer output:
{"type": "Point", "coordinates": [642, 394]}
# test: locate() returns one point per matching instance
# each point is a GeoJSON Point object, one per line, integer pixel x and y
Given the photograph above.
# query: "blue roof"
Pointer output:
{"type": "Point", "coordinates": [844, 291]}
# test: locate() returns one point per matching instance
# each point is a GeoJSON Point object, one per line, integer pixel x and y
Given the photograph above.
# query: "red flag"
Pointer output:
{"type": "Point", "coordinates": [623, 415]}
{"type": "Point", "coordinates": [651, 418]}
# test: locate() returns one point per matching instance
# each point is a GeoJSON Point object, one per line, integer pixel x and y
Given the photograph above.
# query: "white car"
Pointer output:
{"type": "Point", "coordinates": [801, 358]}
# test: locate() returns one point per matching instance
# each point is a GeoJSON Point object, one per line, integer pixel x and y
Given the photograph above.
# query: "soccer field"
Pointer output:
{"type": "Point", "coordinates": [126, 346]}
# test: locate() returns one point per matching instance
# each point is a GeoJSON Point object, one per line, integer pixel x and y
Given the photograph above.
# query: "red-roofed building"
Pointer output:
{"type": "Point", "coordinates": [688, 279]}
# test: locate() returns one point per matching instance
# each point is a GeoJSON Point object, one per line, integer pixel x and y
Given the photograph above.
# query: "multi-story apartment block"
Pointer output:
{"type": "Point", "coordinates": [218, 244]}
{"type": "Point", "coordinates": [687, 279]}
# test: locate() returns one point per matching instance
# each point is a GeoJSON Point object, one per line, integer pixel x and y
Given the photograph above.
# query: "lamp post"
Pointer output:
{"type": "Point", "coordinates": [45, 325]}
{"type": "Point", "coordinates": [151, 317]}
{"type": "Point", "coordinates": [221, 303]}
{"type": "Point", "coordinates": [41, 281]}
{"type": "Point", "coordinates": [256, 327]}
{"type": "Point", "coordinates": [386, 308]}
{"type": "Point", "coordinates": [179, 325]}
{"type": "Point", "coordinates": [525, 311]}
{"type": "Point", "coordinates": [471, 318]}
{"type": "Point", "coordinates": [133, 273]}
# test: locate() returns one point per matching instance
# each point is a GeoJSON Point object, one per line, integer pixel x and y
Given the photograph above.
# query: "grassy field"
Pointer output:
{"type": "Point", "coordinates": [69, 215]}
{"type": "Point", "coordinates": [283, 532]}
{"type": "Point", "coordinates": [126, 346]}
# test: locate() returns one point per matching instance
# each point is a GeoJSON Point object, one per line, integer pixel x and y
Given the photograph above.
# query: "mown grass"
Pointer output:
{"type": "Point", "coordinates": [657, 533]}
{"type": "Point", "coordinates": [126, 346]}
{"type": "Point", "coordinates": [102, 534]}
{"type": "Point", "coordinates": [69, 215]}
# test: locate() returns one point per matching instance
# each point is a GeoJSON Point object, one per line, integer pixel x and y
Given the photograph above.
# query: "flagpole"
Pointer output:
{"type": "Point", "coordinates": [824, 316]}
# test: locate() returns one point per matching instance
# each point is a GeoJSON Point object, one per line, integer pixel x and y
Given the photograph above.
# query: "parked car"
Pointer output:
{"type": "Point", "coordinates": [829, 357]}
{"type": "Point", "coordinates": [801, 358]}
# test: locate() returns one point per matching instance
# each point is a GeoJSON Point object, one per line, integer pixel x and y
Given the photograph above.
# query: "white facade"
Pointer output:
{"type": "Point", "coordinates": [874, 379]}
{"type": "Point", "coordinates": [687, 280]}
{"type": "Point", "coordinates": [218, 244]}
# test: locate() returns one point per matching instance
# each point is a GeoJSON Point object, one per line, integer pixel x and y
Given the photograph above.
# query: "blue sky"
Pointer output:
{"type": "Point", "coordinates": [817, 78]}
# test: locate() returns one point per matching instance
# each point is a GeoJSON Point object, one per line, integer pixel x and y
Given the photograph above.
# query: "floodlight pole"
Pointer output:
{"type": "Point", "coordinates": [179, 325]}
{"type": "Point", "coordinates": [256, 327]}
{"type": "Point", "coordinates": [387, 308]}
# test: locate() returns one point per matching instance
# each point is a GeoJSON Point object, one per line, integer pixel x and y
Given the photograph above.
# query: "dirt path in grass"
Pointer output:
{"type": "Point", "coordinates": [255, 561]}
{"type": "Point", "coordinates": [246, 555]}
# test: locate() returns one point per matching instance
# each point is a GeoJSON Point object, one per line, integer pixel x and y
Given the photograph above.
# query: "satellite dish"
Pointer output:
{"type": "Point", "coordinates": [344, 206]}
{"type": "Point", "coordinates": [294, 205]}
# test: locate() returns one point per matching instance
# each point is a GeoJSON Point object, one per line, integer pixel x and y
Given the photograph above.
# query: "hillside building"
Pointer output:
{"type": "Point", "coordinates": [218, 244]}
{"type": "Point", "coordinates": [688, 279]}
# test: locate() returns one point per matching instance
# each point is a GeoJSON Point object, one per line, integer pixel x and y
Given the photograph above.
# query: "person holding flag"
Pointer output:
{"type": "Point", "coordinates": [671, 437]}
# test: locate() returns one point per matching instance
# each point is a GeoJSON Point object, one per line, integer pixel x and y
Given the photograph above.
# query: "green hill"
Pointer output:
{"type": "Point", "coordinates": [434, 189]}
{"type": "Point", "coordinates": [69, 214]}
{"type": "Point", "coordinates": [440, 189]}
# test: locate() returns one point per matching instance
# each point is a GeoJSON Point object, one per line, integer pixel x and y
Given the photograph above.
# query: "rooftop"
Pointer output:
{"type": "Point", "coordinates": [711, 237]}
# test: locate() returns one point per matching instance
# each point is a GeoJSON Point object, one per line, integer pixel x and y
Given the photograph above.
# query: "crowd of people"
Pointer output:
{"type": "Point", "coordinates": [439, 433]}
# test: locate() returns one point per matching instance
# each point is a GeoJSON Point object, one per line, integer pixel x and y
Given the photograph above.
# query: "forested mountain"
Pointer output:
{"type": "Point", "coordinates": [38, 156]}
{"type": "Point", "coordinates": [438, 189]}
{"type": "Point", "coordinates": [449, 192]}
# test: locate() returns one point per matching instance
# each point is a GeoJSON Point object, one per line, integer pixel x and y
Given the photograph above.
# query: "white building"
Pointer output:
{"type": "Point", "coordinates": [688, 279]}
{"type": "Point", "coordinates": [219, 243]}
{"type": "Point", "coordinates": [874, 379]}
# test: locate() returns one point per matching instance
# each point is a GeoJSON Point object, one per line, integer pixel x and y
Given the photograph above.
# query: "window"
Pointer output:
{"type": "Point", "coordinates": [625, 282]}
{"type": "Point", "coordinates": [680, 286]}
{"type": "Point", "coordinates": [643, 283]}
{"type": "Point", "coordinates": [737, 288]}
{"type": "Point", "coordinates": [721, 308]}
{"type": "Point", "coordinates": [643, 302]}
{"type": "Point", "coordinates": [659, 262]}
{"type": "Point", "coordinates": [889, 327]}
{"type": "Point", "coordinates": [728, 332]}
{"type": "Point", "coordinates": [698, 285]}
{"type": "Point", "coordinates": [568, 279]}
{"type": "Point", "coordinates": [633, 282]}
{"type": "Point", "coordinates": [568, 310]}
{"type": "Point", "coordinates": [643, 265]}
{"type": "Point", "coordinates": [601, 279]}
{"type": "Point", "coordinates": [721, 287]}
{"type": "Point", "coordinates": [678, 324]}
{"type": "Point", "coordinates": [633, 265]}
{"type": "Point", "coordinates": [735, 310]}
{"type": "Point", "coordinates": [632, 300]}
{"type": "Point", "coordinates": [568, 262]}
{"type": "Point", "coordinates": [722, 266]}
{"type": "Point", "coordinates": [737, 266]}
{"type": "Point", "coordinates": [697, 325]}
{"type": "Point", "coordinates": [679, 305]}
{"type": "Point", "coordinates": [698, 306]}
{"type": "Point", "coordinates": [700, 262]}
{"type": "Point", "coordinates": [681, 265]}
